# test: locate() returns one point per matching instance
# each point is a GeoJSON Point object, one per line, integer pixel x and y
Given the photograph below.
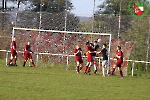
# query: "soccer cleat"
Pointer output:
{"type": "Point", "coordinates": [103, 75]}
{"type": "Point", "coordinates": [8, 65]}
{"type": "Point", "coordinates": [121, 77]}
{"type": "Point", "coordinates": [15, 64]}
{"type": "Point", "coordinates": [88, 73]}
{"type": "Point", "coordinates": [32, 66]}
{"type": "Point", "coordinates": [95, 72]}
{"type": "Point", "coordinates": [84, 72]}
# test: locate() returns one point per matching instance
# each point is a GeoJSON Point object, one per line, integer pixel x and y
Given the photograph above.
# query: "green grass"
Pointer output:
{"type": "Point", "coordinates": [18, 83]}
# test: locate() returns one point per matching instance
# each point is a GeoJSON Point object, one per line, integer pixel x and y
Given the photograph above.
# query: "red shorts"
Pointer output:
{"type": "Point", "coordinates": [27, 56]}
{"type": "Point", "coordinates": [79, 59]}
{"type": "Point", "coordinates": [89, 58]}
{"type": "Point", "coordinates": [119, 62]}
{"type": "Point", "coordinates": [13, 52]}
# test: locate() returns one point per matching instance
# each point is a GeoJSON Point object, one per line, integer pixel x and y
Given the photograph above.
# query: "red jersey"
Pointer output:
{"type": "Point", "coordinates": [27, 54]}
{"type": "Point", "coordinates": [89, 55]}
{"type": "Point", "coordinates": [27, 48]}
{"type": "Point", "coordinates": [119, 53]}
{"type": "Point", "coordinates": [13, 45]}
{"type": "Point", "coordinates": [119, 60]}
{"type": "Point", "coordinates": [78, 55]}
{"type": "Point", "coordinates": [87, 48]}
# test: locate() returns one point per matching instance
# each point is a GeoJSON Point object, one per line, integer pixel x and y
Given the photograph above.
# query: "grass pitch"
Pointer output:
{"type": "Point", "coordinates": [18, 83]}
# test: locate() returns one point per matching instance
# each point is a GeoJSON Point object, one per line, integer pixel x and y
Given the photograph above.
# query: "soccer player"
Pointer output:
{"type": "Point", "coordinates": [13, 52]}
{"type": "Point", "coordinates": [95, 49]}
{"type": "Point", "coordinates": [78, 58]}
{"type": "Point", "coordinates": [27, 54]}
{"type": "Point", "coordinates": [105, 59]}
{"type": "Point", "coordinates": [119, 57]}
{"type": "Point", "coordinates": [89, 58]}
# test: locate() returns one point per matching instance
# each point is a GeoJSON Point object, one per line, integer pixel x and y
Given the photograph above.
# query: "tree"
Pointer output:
{"type": "Point", "coordinates": [132, 29]}
{"type": "Point", "coordinates": [52, 5]}
{"type": "Point", "coordinates": [108, 15]}
{"type": "Point", "coordinates": [85, 26]}
{"type": "Point", "coordinates": [113, 7]}
{"type": "Point", "coordinates": [138, 33]}
{"type": "Point", "coordinates": [28, 14]}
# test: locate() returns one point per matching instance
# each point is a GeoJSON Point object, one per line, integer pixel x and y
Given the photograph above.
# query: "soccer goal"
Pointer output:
{"type": "Point", "coordinates": [52, 47]}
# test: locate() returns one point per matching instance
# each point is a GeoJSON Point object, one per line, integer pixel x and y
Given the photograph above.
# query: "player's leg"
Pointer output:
{"type": "Point", "coordinates": [81, 64]}
{"type": "Point", "coordinates": [113, 68]}
{"type": "Point", "coordinates": [90, 60]}
{"type": "Point", "coordinates": [86, 67]}
{"type": "Point", "coordinates": [107, 68]}
{"type": "Point", "coordinates": [89, 68]}
{"type": "Point", "coordinates": [87, 64]}
{"type": "Point", "coordinates": [95, 67]}
{"type": "Point", "coordinates": [15, 59]}
{"type": "Point", "coordinates": [31, 60]}
{"type": "Point", "coordinates": [77, 67]}
{"type": "Point", "coordinates": [10, 60]}
{"type": "Point", "coordinates": [25, 59]}
{"type": "Point", "coordinates": [120, 70]}
{"type": "Point", "coordinates": [103, 68]}
{"type": "Point", "coordinates": [118, 64]}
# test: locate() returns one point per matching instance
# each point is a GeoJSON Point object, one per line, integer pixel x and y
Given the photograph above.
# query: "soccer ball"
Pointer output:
{"type": "Point", "coordinates": [99, 40]}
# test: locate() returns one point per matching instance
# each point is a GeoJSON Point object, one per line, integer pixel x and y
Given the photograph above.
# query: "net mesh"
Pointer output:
{"type": "Point", "coordinates": [56, 46]}
{"type": "Point", "coordinates": [126, 48]}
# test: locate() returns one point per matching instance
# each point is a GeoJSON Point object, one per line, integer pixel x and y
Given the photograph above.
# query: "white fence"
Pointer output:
{"type": "Point", "coordinates": [67, 60]}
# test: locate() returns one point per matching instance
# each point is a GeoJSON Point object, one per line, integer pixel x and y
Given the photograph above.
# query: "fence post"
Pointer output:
{"type": "Point", "coordinates": [37, 58]}
{"type": "Point", "coordinates": [6, 57]}
{"type": "Point", "coordinates": [67, 62]}
{"type": "Point", "coordinates": [133, 67]}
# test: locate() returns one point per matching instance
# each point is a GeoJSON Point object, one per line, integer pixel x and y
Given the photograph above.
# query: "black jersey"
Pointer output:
{"type": "Point", "coordinates": [95, 48]}
{"type": "Point", "coordinates": [104, 54]}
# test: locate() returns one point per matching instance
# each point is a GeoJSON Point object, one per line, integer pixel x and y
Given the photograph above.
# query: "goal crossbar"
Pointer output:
{"type": "Point", "coordinates": [55, 31]}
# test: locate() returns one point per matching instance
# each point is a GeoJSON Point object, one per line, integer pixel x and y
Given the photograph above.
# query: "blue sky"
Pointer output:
{"type": "Point", "coordinates": [85, 7]}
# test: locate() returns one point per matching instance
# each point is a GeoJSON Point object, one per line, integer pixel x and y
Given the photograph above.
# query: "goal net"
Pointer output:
{"type": "Point", "coordinates": [55, 48]}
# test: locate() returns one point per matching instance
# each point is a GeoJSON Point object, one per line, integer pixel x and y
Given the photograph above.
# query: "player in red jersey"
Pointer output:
{"type": "Point", "coordinates": [27, 54]}
{"type": "Point", "coordinates": [119, 57]}
{"type": "Point", "coordinates": [89, 58]}
{"type": "Point", "coordinates": [13, 52]}
{"type": "Point", "coordinates": [78, 58]}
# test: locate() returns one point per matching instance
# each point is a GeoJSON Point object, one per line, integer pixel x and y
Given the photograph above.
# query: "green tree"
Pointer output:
{"type": "Point", "coordinates": [113, 7]}
{"type": "Point", "coordinates": [132, 29]}
{"type": "Point", "coordinates": [138, 33]}
{"type": "Point", "coordinates": [108, 15]}
{"type": "Point", "coordinates": [52, 5]}
{"type": "Point", "coordinates": [50, 10]}
{"type": "Point", "coordinates": [85, 26]}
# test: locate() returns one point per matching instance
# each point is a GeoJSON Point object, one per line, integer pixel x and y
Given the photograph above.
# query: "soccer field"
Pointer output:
{"type": "Point", "coordinates": [18, 83]}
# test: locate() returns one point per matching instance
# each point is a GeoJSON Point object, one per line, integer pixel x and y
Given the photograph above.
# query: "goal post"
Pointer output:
{"type": "Point", "coordinates": [56, 46]}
